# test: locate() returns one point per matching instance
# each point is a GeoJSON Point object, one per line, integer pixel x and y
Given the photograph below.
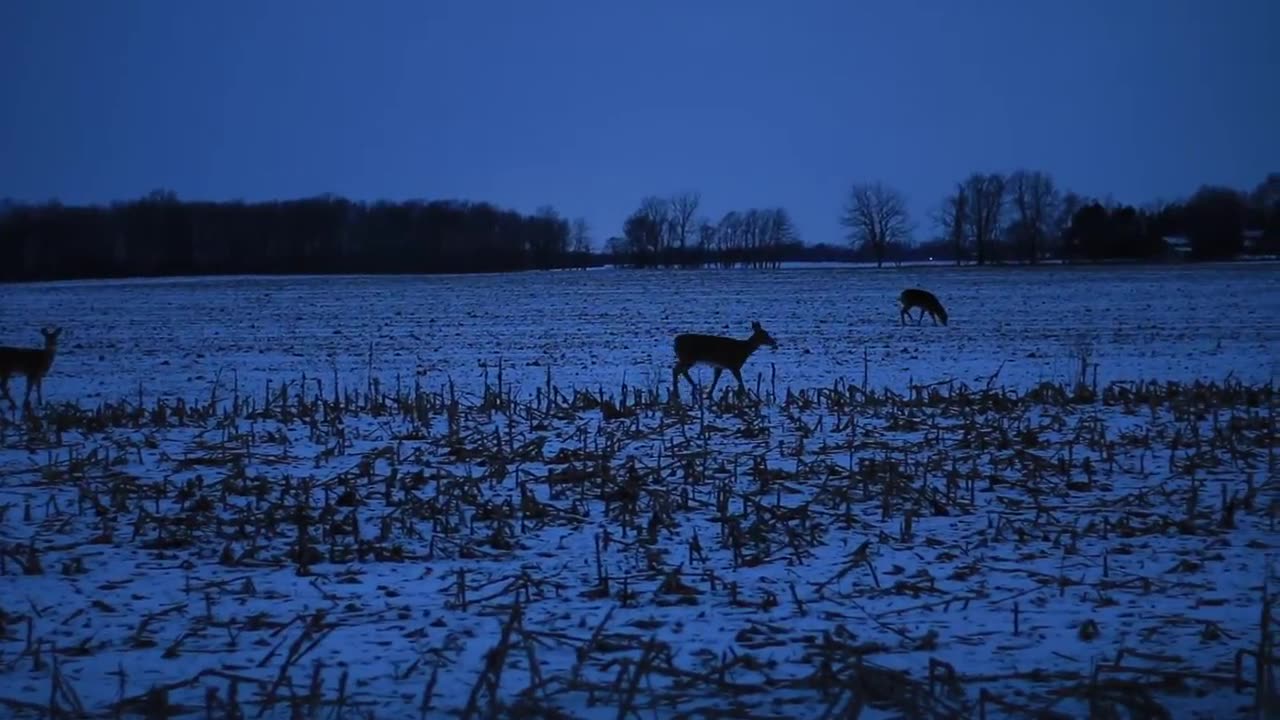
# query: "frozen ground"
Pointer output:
{"type": "Point", "coordinates": [604, 327]}
{"type": "Point", "coordinates": [939, 552]}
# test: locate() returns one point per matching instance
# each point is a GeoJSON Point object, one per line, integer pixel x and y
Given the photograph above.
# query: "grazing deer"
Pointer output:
{"type": "Point", "coordinates": [926, 301]}
{"type": "Point", "coordinates": [33, 363]}
{"type": "Point", "coordinates": [721, 353]}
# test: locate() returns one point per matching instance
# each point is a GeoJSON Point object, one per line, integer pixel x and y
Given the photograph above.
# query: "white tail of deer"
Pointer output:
{"type": "Point", "coordinates": [720, 353]}
{"type": "Point", "coordinates": [926, 301]}
{"type": "Point", "coordinates": [32, 363]}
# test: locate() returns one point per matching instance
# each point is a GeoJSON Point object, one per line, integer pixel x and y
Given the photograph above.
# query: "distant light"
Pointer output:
{"type": "Point", "coordinates": [930, 258]}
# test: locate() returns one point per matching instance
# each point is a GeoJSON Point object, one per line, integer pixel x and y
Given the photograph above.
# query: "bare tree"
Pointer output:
{"type": "Point", "coordinates": [707, 240]}
{"type": "Point", "coordinates": [580, 240]}
{"type": "Point", "coordinates": [953, 220]}
{"type": "Point", "coordinates": [729, 239]}
{"type": "Point", "coordinates": [553, 240]}
{"type": "Point", "coordinates": [654, 216]}
{"type": "Point", "coordinates": [752, 224]}
{"type": "Point", "coordinates": [682, 207]}
{"type": "Point", "coordinates": [985, 201]}
{"type": "Point", "coordinates": [1068, 206]}
{"type": "Point", "coordinates": [778, 231]}
{"type": "Point", "coordinates": [875, 216]}
{"type": "Point", "coordinates": [1035, 202]}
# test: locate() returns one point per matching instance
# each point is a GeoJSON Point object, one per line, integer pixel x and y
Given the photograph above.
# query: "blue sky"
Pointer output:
{"type": "Point", "coordinates": [591, 105]}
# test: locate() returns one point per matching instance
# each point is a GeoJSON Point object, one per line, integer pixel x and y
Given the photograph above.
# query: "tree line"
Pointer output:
{"type": "Point", "coordinates": [669, 232]}
{"type": "Point", "coordinates": [1024, 217]}
{"type": "Point", "coordinates": [160, 235]}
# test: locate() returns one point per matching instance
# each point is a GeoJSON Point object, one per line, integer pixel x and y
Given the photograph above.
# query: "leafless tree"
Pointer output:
{"type": "Point", "coordinates": [580, 239]}
{"type": "Point", "coordinates": [707, 238]}
{"type": "Point", "coordinates": [555, 241]}
{"type": "Point", "coordinates": [777, 231]}
{"type": "Point", "coordinates": [875, 216]}
{"type": "Point", "coordinates": [953, 220]}
{"type": "Point", "coordinates": [727, 240]}
{"type": "Point", "coordinates": [682, 207]}
{"type": "Point", "coordinates": [752, 225]}
{"type": "Point", "coordinates": [1035, 203]}
{"type": "Point", "coordinates": [1067, 209]}
{"type": "Point", "coordinates": [985, 205]}
{"type": "Point", "coordinates": [656, 214]}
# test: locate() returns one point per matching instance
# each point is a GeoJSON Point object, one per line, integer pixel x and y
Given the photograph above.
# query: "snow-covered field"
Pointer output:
{"type": "Point", "coordinates": [189, 522]}
{"type": "Point", "coordinates": [606, 327]}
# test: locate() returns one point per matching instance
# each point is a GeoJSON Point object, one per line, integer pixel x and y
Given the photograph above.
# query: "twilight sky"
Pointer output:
{"type": "Point", "coordinates": [589, 105]}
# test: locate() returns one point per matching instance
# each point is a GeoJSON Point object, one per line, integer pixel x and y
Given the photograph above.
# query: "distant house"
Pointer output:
{"type": "Point", "coordinates": [1177, 247]}
{"type": "Point", "coordinates": [1252, 241]}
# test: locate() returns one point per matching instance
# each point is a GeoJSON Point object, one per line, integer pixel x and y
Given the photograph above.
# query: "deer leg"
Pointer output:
{"type": "Point", "coordinates": [742, 387]}
{"type": "Point", "coordinates": [4, 388]}
{"type": "Point", "coordinates": [689, 377]}
{"type": "Point", "coordinates": [679, 369]}
{"type": "Point", "coordinates": [902, 316]}
{"type": "Point", "coordinates": [714, 379]}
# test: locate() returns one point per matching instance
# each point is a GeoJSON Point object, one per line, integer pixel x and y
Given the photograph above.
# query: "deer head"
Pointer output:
{"type": "Point", "coordinates": [760, 337]}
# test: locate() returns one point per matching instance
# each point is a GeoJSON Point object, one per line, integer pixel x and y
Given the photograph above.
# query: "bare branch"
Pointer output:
{"type": "Point", "coordinates": [985, 197]}
{"type": "Point", "coordinates": [681, 210]}
{"type": "Point", "coordinates": [876, 217]}
{"type": "Point", "coordinates": [1035, 204]}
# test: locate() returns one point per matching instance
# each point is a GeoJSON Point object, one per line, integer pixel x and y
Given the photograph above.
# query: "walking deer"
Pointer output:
{"type": "Point", "coordinates": [32, 363]}
{"type": "Point", "coordinates": [720, 353]}
{"type": "Point", "coordinates": [926, 301]}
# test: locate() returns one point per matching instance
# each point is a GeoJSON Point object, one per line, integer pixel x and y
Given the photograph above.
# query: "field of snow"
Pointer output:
{"type": "Point", "coordinates": [607, 327]}
{"type": "Point", "coordinates": [475, 497]}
